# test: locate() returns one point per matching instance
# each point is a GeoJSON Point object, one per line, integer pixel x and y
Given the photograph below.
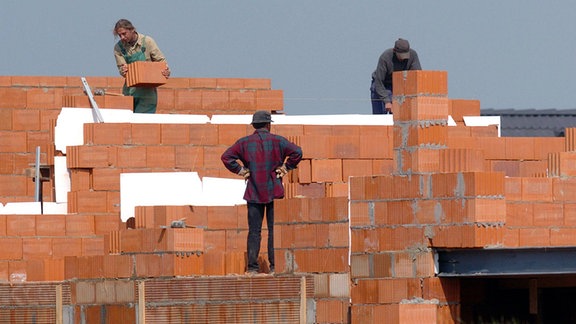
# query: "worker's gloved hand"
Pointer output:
{"type": "Point", "coordinates": [281, 171]}
{"type": "Point", "coordinates": [244, 172]}
{"type": "Point", "coordinates": [388, 108]}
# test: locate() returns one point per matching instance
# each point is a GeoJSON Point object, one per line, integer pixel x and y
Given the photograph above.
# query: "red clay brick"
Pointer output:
{"type": "Point", "coordinates": [66, 246]}
{"type": "Point", "coordinates": [44, 98]}
{"type": "Point", "coordinates": [519, 148]}
{"type": "Point", "coordinates": [14, 185]}
{"type": "Point", "coordinates": [90, 156]}
{"type": "Point", "coordinates": [118, 102]}
{"type": "Point", "coordinates": [188, 99]}
{"type": "Point", "coordinates": [567, 164]}
{"type": "Point", "coordinates": [104, 224]}
{"type": "Point", "coordinates": [146, 134]}
{"type": "Point", "coordinates": [12, 98]}
{"type": "Point", "coordinates": [209, 83]}
{"type": "Point", "coordinates": [216, 100]}
{"type": "Point", "coordinates": [106, 179]}
{"type": "Point", "coordinates": [288, 130]}
{"type": "Point", "coordinates": [494, 147]}
{"type": "Point", "coordinates": [11, 248]}
{"type": "Point", "coordinates": [532, 237]}
{"type": "Point", "coordinates": [383, 167]}
{"type": "Point", "coordinates": [146, 74]}
{"type": "Point", "coordinates": [375, 147]}
{"type": "Point", "coordinates": [343, 147]}
{"type": "Point", "coordinates": [313, 146]}
{"type": "Point", "coordinates": [26, 119]}
{"type": "Point", "coordinates": [242, 100]}
{"type": "Point", "coordinates": [160, 157]}
{"type": "Point", "coordinates": [77, 225]}
{"type": "Point", "coordinates": [511, 238]}
{"type": "Point", "coordinates": [204, 134]}
{"type": "Point", "coordinates": [229, 134]}
{"type": "Point", "coordinates": [14, 142]}
{"type": "Point", "coordinates": [257, 83]}
{"type": "Point", "coordinates": [133, 240]}
{"type": "Point", "coordinates": [417, 313]}
{"type": "Point", "coordinates": [464, 107]}
{"type": "Point", "coordinates": [20, 225]}
{"type": "Point", "coordinates": [303, 174]}
{"type": "Point", "coordinates": [322, 130]}
{"type": "Point", "coordinates": [236, 240]}
{"type": "Point", "coordinates": [80, 179]}
{"type": "Point", "coordinates": [569, 214]}
{"type": "Point", "coordinates": [87, 202]}
{"type": "Point", "coordinates": [537, 189]}
{"type": "Point", "coordinates": [321, 260]}
{"type": "Point", "coordinates": [223, 217]}
{"type": "Point", "coordinates": [331, 311]}
{"type": "Point", "coordinates": [174, 83]}
{"type": "Point", "coordinates": [93, 246]}
{"type": "Point", "coordinates": [107, 133]}
{"type": "Point", "coordinates": [356, 167]}
{"type": "Point", "coordinates": [421, 109]}
{"type": "Point", "coordinates": [131, 157]}
{"type": "Point", "coordinates": [36, 247]}
{"type": "Point", "coordinates": [338, 235]}
{"type": "Point", "coordinates": [562, 236]}
{"type": "Point", "coordinates": [419, 82]}
{"type": "Point", "coordinates": [364, 240]}
{"type": "Point", "coordinates": [3, 225]}
{"type": "Point", "coordinates": [337, 189]}
{"type": "Point", "coordinates": [39, 139]}
{"type": "Point", "coordinates": [6, 119]}
{"type": "Point", "coordinates": [534, 169]}
{"type": "Point", "coordinates": [175, 134]}
{"type": "Point", "coordinates": [271, 100]}
{"type": "Point", "coordinates": [548, 214]}
{"type": "Point", "coordinates": [189, 157]}
{"type": "Point", "coordinates": [329, 170]}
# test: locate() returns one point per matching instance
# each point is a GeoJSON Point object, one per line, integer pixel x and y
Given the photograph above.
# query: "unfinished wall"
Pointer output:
{"type": "Point", "coordinates": [361, 216]}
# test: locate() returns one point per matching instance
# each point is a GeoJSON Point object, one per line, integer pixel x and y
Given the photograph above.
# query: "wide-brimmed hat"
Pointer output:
{"type": "Point", "coordinates": [402, 49]}
{"type": "Point", "coordinates": [261, 116]}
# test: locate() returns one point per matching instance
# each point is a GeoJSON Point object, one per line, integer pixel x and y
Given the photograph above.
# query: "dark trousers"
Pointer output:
{"type": "Point", "coordinates": [378, 105]}
{"type": "Point", "coordinates": [255, 218]}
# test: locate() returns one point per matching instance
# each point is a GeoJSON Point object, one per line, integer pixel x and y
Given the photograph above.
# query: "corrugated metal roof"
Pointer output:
{"type": "Point", "coordinates": [533, 122]}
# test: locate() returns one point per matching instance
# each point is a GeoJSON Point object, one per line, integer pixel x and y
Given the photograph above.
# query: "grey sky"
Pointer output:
{"type": "Point", "coordinates": [507, 54]}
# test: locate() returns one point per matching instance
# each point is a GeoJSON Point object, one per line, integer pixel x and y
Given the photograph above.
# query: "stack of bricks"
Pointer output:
{"type": "Point", "coordinates": [362, 214]}
{"type": "Point", "coordinates": [334, 153]}
{"type": "Point", "coordinates": [437, 197]}
{"type": "Point", "coordinates": [36, 246]}
{"type": "Point", "coordinates": [311, 237]}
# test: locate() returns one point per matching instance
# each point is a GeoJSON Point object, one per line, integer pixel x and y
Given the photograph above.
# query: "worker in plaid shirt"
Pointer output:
{"type": "Point", "coordinates": [265, 158]}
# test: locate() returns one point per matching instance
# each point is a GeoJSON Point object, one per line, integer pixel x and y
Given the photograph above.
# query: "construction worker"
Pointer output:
{"type": "Point", "coordinates": [399, 58]}
{"type": "Point", "coordinates": [265, 159]}
{"type": "Point", "coordinates": [133, 47]}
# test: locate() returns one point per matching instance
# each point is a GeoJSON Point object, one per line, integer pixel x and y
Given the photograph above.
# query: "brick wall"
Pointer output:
{"type": "Point", "coordinates": [361, 215]}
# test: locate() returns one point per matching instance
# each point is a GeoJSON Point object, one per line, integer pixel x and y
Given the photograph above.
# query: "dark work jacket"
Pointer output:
{"type": "Point", "coordinates": [388, 63]}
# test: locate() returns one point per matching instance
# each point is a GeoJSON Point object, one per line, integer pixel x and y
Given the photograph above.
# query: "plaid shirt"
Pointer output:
{"type": "Point", "coordinates": [262, 152]}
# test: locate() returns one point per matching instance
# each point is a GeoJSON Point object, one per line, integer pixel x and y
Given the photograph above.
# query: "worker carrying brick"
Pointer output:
{"type": "Point", "coordinates": [133, 47]}
{"type": "Point", "coordinates": [265, 158]}
{"type": "Point", "coordinates": [399, 58]}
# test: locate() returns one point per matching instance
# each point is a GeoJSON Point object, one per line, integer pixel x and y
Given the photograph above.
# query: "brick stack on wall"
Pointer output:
{"type": "Point", "coordinates": [361, 217]}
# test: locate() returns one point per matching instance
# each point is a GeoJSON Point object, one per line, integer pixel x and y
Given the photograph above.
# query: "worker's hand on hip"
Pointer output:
{"type": "Point", "coordinates": [244, 172]}
{"type": "Point", "coordinates": [281, 171]}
